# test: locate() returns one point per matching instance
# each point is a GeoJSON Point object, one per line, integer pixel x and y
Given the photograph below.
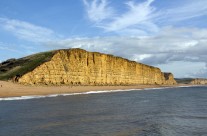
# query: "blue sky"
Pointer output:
{"type": "Point", "coordinates": [170, 34]}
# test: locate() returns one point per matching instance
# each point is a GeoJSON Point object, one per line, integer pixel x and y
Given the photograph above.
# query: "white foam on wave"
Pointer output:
{"type": "Point", "coordinates": [82, 93]}
{"type": "Point", "coordinates": [66, 94]}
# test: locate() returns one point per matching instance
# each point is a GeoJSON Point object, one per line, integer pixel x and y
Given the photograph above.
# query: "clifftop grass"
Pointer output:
{"type": "Point", "coordinates": [184, 80]}
{"type": "Point", "coordinates": [18, 67]}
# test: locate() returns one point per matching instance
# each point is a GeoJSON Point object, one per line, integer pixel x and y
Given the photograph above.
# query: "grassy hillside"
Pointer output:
{"type": "Point", "coordinates": [18, 67]}
{"type": "Point", "coordinates": [183, 80]}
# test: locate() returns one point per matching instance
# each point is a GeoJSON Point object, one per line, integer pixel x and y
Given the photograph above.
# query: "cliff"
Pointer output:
{"type": "Point", "coordinates": [199, 81]}
{"type": "Point", "coordinates": [79, 67]}
{"type": "Point", "coordinates": [192, 81]}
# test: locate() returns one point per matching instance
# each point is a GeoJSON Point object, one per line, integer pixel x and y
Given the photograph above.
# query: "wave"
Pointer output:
{"type": "Point", "coordinates": [67, 94]}
{"type": "Point", "coordinates": [81, 93]}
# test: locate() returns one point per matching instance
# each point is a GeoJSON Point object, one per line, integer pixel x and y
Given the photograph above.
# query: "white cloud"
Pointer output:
{"type": "Point", "coordinates": [170, 40]}
{"type": "Point", "coordinates": [190, 9]}
{"type": "Point", "coordinates": [141, 57]}
{"type": "Point", "coordinates": [138, 16]}
{"type": "Point", "coordinates": [98, 10]}
{"type": "Point", "coordinates": [27, 31]}
{"type": "Point", "coordinates": [162, 49]}
{"type": "Point", "coordinates": [134, 21]}
{"type": "Point", "coordinates": [142, 18]}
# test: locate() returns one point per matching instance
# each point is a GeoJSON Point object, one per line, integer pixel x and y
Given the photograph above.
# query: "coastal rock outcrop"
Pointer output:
{"type": "Point", "coordinates": [192, 81]}
{"type": "Point", "coordinates": [199, 81]}
{"type": "Point", "coordinates": [80, 67]}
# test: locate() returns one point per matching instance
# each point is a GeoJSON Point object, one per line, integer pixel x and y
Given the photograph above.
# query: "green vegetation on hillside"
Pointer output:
{"type": "Point", "coordinates": [18, 67]}
{"type": "Point", "coordinates": [183, 80]}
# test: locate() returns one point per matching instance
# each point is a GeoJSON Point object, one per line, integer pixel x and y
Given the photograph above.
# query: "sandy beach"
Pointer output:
{"type": "Point", "coordinates": [9, 89]}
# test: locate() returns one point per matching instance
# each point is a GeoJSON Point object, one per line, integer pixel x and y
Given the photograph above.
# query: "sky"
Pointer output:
{"type": "Point", "coordinates": [169, 34]}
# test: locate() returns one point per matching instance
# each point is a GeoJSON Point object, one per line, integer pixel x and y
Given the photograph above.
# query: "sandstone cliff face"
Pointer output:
{"type": "Point", "coordinates": [79, 67]}
{"type": "Point", "coordinates": [199, 81]}
{"type": "Point", "coordinates": [169, 78]}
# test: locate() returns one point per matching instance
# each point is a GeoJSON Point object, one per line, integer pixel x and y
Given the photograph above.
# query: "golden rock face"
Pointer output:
{"type": "Point", "coordinates": [199, 81]}
{"type": "Point", "coordinates": [79, 67]}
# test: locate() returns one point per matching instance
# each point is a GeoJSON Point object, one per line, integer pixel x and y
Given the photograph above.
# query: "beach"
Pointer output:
{"type": "Point", "coordinates": [10, 89]}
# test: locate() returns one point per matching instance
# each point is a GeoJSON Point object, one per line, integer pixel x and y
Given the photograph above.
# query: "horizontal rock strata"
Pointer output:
{"type": "Point", "coordinates": [199, 81]}
{"type": "Point", "coordinates": [79, 67]}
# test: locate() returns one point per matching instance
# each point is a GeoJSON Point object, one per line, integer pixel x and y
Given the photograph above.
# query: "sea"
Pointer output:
{"type": "Point", "coordinates": [180, 111]}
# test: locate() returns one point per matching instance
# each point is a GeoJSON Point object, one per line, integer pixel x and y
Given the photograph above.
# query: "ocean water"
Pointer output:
{"type": "Point", "coordinates": [160, 112]}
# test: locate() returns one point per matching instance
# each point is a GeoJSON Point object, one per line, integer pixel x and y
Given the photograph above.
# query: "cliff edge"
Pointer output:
{"type": "Point", "coordinates": [80, 67]}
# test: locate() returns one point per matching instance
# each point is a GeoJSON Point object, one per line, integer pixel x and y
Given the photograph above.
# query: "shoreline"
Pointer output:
{"type": "Point", "coordinates": [9, 89]}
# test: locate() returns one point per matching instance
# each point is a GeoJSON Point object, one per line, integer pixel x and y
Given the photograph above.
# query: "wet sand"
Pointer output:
{"type": "Point", "coordinates": [9, 89]}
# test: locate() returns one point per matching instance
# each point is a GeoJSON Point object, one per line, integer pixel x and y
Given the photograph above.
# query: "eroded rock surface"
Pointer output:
{"type": "Point", "coordinates": [199, 81]}
{"type": "Point", "coordinates": [80, 67]}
